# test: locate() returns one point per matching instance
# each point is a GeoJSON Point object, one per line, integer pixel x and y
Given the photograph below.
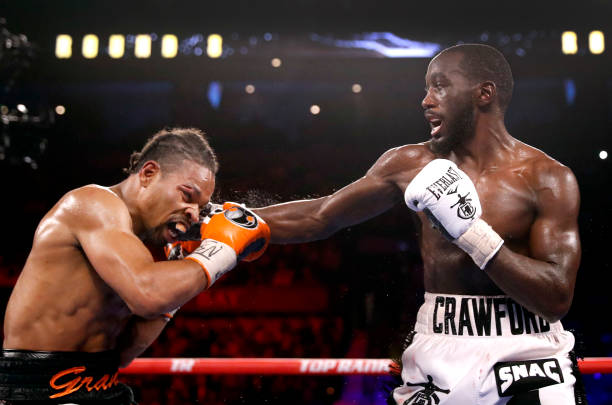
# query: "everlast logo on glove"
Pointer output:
{"type": "Point", "coordinates": [514, 377]}
{"type": "Point", "coordinates": [438, 187]}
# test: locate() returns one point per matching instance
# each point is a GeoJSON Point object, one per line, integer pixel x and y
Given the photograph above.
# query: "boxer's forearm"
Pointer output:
{"type": "Point", "coordinates": [309, 220]}
{"type": "Point", "coordinates": [163, 286]}
{"type": "Point", "coordinates": [298, 221]}
{"type": "Point", "coordinates": [544, 288]}
{"type": "Point", "coordinates": [137, 337]}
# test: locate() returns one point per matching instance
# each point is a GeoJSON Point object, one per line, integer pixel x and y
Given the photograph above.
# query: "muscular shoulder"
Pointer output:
{"type": "Point", "coordinates": [402, 159]}
{"type": "Point", "coordinates": [550, 179]}
{"type": "Point", "coordinates": [93, 206]}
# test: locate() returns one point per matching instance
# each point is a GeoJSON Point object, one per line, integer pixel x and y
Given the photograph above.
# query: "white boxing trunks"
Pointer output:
{"type": "Point", "coordinates": [470, 350]}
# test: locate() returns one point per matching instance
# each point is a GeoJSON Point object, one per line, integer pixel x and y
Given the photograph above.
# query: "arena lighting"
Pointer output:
{"type": "Point", "coordinates": [315, 109]}
{"type": "Point", "coordinates": [63, 46]}
{"type": "Point", "coordinates": [169, 47]}
{"type": "Point", "coordinates": [356, 88]}
{"type": "Point", "coordinates": [22, 108]}
{"type": "Point", "coordinates": [383, 43]}
{"type": "Point", "coordinates": [142, 46]}
{"type": "Point", "coordinates": [569, 43]}
{"type": "Point", "coordinates": [603, 155]}
{"type": "Point", "coordinates": [596, 42]}
{"type": "Point", "coordinates": [249, 88]}
{"type": "Point", "coordinates": [276, 62]}
{"type": "Point", "coordinates": [89, 47]}
{"type": "Point", "coordinates": [214, 46]}
{"type": "Point", "coordinates": [116, 46]}
{"type": "Point", "coordinates": [60, 110]}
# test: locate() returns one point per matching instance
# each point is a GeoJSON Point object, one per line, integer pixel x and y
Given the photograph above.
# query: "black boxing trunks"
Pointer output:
{"type": "Point", "coordinates": [37, 377]}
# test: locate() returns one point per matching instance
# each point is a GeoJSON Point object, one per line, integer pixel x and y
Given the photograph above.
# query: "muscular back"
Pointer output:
{"type": "Point", "coordinates": [60, 302]}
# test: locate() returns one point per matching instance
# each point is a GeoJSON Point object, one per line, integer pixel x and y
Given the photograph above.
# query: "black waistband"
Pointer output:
{"type": "Point", "coordinates": [105, 356]}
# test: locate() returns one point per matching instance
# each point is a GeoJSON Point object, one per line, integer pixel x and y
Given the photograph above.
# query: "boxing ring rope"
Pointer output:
{"type": "Point", "coordinates": [296, 366]}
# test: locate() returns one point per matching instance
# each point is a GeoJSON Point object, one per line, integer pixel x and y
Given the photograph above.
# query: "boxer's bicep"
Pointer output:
{"type": "Point", "coordinates": [554, 234]}
{"type": "Point", "coordinates": [119, 257]}
{"type": "Point", "coordinates": [104, 233]}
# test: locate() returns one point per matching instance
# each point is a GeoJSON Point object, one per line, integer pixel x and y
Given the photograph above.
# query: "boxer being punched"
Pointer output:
{"type": "Point", "coordinates": [501, 258]}
{"type": "Point", "coordinates": [90, 297]}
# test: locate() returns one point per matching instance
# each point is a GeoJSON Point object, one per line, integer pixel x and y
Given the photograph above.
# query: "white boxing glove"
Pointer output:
{"type": "Point", "coordinates": [448, 197]}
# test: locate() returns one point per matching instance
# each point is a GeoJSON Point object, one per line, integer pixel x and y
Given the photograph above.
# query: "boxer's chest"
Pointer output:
{"type": "Point", "coordinates": [508, 203]}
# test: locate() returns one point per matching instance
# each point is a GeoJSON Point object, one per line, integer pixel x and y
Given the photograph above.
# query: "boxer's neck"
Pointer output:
{"type": "Point", "coordinates": [128, 191]}
{"type": "Point", "coordinates": [490, 144]}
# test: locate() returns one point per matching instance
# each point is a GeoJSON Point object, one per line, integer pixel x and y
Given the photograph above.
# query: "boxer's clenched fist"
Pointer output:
{"type": "Point", "coordinates": [447, 193]}
{"type": "Point", "coordinates": [232, 235]}
{"type": "Point", "coordinates": [448, 197]}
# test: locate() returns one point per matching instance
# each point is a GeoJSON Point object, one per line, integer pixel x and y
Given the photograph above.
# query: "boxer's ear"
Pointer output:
{"type": "Point", "coordinates": [149, 170]}
{"type": "Point", "coordinates": [486, 93]}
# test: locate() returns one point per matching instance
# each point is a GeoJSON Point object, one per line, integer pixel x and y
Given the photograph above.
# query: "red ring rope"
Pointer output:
{"type": "Point", "coordinates": [290, 366]}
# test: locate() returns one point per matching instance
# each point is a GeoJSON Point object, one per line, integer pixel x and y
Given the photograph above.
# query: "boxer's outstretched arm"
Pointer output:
{"type": "Point", "coordinates": [137, 337]}
{"type": "Point", "coordinates": [544, 282]}
{"type": "Point", "coordinates": [308, 220]}
{"type": "Point", "coordinates": [102, 227]}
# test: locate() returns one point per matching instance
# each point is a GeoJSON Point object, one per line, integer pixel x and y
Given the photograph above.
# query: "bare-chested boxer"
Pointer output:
{"type": "Point", "coordinates": [90, 297]}
{"type": "Point", "coordinates": [500, 264]}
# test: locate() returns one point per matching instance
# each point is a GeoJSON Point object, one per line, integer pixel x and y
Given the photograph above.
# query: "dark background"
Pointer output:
{"type": "Point", "coordinates": [272, 149]}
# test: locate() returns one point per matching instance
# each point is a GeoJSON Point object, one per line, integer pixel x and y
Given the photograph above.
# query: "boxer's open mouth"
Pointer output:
{"type": "Point", "coordinates": [436, 125]}
{"type": "Point", "coordinates": [175, 229]}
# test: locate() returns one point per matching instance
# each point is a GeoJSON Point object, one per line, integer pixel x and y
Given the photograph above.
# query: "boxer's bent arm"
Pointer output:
{"type": "Point", "coordinates": [308, 220]}
{"type": "Point", "coordinates": [544, 282]}
{"type": "Point", "coordinates": [137, 337]}
{"type": "Point", "coordinates": [148, 288]}
{"type": "Point", "coordinates": [102, 227]}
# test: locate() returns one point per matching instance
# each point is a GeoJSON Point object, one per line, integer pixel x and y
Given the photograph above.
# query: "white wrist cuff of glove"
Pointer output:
{"type": "Point", "coordinates": [169, 315]}
{"type": "Point", "coordinates": [481, 242]}
{"type": "Point", "coordinates": [216, 259]}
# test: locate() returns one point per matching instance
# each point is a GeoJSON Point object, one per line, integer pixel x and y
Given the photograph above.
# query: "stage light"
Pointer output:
{"type": "Point", "coordinates": [276, 62]}
{"type": "Point", "coordinates": [249, 88]}
{"type": "Point", "coordinates": [315, 109]}
{"type": "Point", "coordinates": [569, 43]}
{"type": "Point", "coordinates": [356, 88]}
{"type": "Point", "coordinates": [63, 46]}
{"type": "Point", "coordinates": [142, 47]}
{"type": "Point", "coordinates": [596, 42]}
{"type": "Point", "coordinates": [89, 47]}
{"type": "Point", "coordinates": [22, 108]}
{"type": "Point", "coordinates": [4, 110]}
{"type": "Point", "coordinates": [214, 46]}
{"type": "Point", "coordinates": [169, 47]}
{"type": "Point", "coordinates": [60, 110]}
{"type": "Point", "coordinates": [603, 155]}
{"type": "Point", "coordinates": [116, 46]}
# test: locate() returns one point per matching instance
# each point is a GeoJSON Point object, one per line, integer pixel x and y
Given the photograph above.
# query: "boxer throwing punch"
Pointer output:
{"type": "Point", "coordinates": [90, 297]}
{"type": "Point", "coordinates": [501, 258]}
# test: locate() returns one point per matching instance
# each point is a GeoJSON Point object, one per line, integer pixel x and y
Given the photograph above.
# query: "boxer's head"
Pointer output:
{"type": "Point", "coordinates": [461, 82]}
{"type": "Point", "coordinates": [175, 176]}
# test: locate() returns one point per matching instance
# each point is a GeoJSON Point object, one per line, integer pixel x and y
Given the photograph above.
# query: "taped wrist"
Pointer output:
{"type": "Point", "coordinates": [216, 258]}
{"type": "Point", "coordinates": [481, 242]}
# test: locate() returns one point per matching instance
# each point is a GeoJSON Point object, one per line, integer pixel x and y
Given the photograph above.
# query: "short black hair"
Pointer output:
{"type": "Point", "coordinates": [483, 62]}
{"type": "Point", "coordinates": [171, 146]}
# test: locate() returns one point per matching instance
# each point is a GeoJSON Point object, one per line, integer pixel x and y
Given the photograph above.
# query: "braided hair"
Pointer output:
{"type": "Point", "coordinates": [172, 146]}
